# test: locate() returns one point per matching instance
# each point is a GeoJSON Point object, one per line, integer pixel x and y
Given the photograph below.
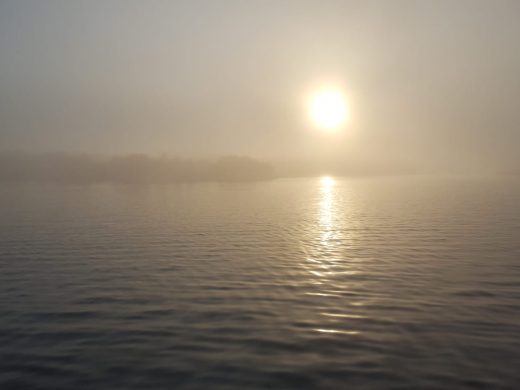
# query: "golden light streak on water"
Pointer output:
{"type": "Point", "coordinates": [336, 331]}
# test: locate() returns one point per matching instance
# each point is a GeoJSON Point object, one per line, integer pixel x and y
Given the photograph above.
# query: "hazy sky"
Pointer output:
{"type": "Point", "coordinates": [429, 82]}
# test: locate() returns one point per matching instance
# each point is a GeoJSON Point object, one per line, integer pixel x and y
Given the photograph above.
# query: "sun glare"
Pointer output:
{"type": "Point", "coordinates": [328, 109]}
{"type": "Point", "coordinates": [327, 181]}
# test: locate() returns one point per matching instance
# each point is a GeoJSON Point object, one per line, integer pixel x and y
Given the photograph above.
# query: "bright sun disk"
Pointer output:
{"type": "Point", "coordinates": [328, 109]}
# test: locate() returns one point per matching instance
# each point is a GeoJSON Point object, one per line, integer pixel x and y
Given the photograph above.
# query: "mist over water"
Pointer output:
{"type": "Point", "coordinates": [136, 168]}
{"type": "Point", "coordinates": [294, 283]}
{"type": "Point", "coordinates": [17, 166]}
{"type": "Point", "coordinates": [260, 194]}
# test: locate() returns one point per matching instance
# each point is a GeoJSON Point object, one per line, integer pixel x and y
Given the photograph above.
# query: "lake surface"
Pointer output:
{"type": "Point", "coordinates": [289, 284]}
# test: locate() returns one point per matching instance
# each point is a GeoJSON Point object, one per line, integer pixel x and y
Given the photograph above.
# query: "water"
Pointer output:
{"type": "Point", "coordinates": [294, 284]}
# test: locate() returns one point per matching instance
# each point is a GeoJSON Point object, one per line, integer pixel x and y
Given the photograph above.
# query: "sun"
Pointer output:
{"type": "Point", "coordinates": [328, 109]}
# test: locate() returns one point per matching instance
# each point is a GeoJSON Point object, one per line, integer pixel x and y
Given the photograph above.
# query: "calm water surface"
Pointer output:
{"type": "Point", "coordinates": [293, 284]}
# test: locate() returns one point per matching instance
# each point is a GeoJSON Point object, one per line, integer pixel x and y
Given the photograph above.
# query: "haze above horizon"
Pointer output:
{"type": "Point", "coordinates": [429, 85]}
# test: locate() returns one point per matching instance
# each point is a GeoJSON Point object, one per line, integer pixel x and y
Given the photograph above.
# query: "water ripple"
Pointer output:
{"type": "Point", "coordinates": [304, 284]}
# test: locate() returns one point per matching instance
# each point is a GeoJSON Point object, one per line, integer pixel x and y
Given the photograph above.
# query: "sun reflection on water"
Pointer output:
{"type": "Point", "coordinates": [337, 331]}
{"type": "Point", "coordinates": [325, 263]}
{"type": "Point", "coordinates": [327, 184]}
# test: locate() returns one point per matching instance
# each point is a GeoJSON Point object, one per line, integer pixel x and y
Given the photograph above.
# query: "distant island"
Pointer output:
{"type": "Point", "coordinates": [134, 168]}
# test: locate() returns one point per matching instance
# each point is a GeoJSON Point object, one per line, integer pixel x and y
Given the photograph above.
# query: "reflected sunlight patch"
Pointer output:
{"type": "Point", "coordinates": [327, 181]}
{"type": "Point", "coordinates": [337, 331]}
{"type": "Point", "coordinates": [339, 315]}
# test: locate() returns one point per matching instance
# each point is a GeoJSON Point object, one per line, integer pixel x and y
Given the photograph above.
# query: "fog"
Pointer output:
{"type": "Point", "coordinates": [431, 86]}
{"type": "Point", "coordinates": [138, 168]}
